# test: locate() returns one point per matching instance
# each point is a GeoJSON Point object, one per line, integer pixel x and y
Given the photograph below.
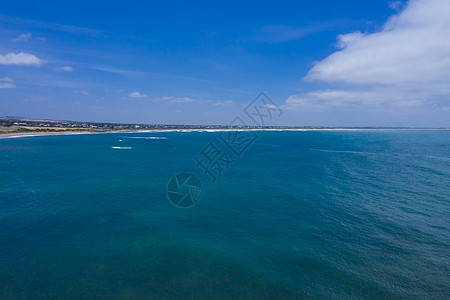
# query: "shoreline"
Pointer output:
{"type": "Point", "coordinates": [33, 134]}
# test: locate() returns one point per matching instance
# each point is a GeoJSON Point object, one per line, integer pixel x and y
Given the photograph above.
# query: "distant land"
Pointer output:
{"type": "Point", "coordinates": [21, 125]}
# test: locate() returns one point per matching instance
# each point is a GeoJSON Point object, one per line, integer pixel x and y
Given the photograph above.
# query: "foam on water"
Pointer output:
{"type": "Point", "coordinates": [147, 137]}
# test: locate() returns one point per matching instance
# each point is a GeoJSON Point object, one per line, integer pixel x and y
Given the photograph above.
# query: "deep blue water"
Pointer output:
{"type": "Point", "coordinates": [313, 214]}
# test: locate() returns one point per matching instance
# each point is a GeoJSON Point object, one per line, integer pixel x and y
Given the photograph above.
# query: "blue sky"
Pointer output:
{"type": "Point", "coordinates": [329, 63]}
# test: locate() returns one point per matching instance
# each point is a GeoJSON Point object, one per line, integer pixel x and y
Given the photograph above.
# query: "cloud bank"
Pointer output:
{"type": "Point", "coordinates": [406, 63]}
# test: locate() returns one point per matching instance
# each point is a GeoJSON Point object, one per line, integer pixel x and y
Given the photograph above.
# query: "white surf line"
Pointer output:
{"type": "Point", "coordinates": [147, 137]}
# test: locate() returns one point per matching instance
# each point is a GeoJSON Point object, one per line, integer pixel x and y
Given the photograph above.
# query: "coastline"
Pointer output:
{"type": "Point", "coordinates": [34, 134]}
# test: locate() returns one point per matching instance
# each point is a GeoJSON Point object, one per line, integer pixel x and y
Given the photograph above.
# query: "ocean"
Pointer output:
{"type": "Point", "coordinates": [338, 214]}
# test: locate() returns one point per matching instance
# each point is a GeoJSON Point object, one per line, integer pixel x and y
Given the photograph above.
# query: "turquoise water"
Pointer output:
{"type": "Point", "coordinates": [313, 214]}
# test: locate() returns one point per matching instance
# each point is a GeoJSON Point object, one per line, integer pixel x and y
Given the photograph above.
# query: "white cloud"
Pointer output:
{"type": "Point", "coordinates": [137, 95]}
{"type": "Point", "coordinates": [373, 98]}
{"type": "Point", "coordinates": [82, 92]}
{"type": "Point", "coordinates": [413, 47]}
{"type": "Point", "coordinates": [279, 33]}
{"type": "Point", "coordinates": [270, 106]}
{"type": "Point", "coordinates": [172, 99]}
{"type": "Point", "coordinates": [6, 83]}
{"type": "Point", "coordinates": [24, 37]}
{"type": "Point", "coordinates": [166, 98]}
{"type": "Point", "coordinates": [16, 21]}
{"type": "Point", "coordinates": [222, 103]}
{"type": "Point", "coordinates": [395, 5]}
{"type": "Point", "coordinates": [65, 68]}
{"type": "Point", "coordinates": [408, 61]}
{"type": "Point", "coordinates": [181, 100]}
{"type": "Point", "coordinates": [20, 59]}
